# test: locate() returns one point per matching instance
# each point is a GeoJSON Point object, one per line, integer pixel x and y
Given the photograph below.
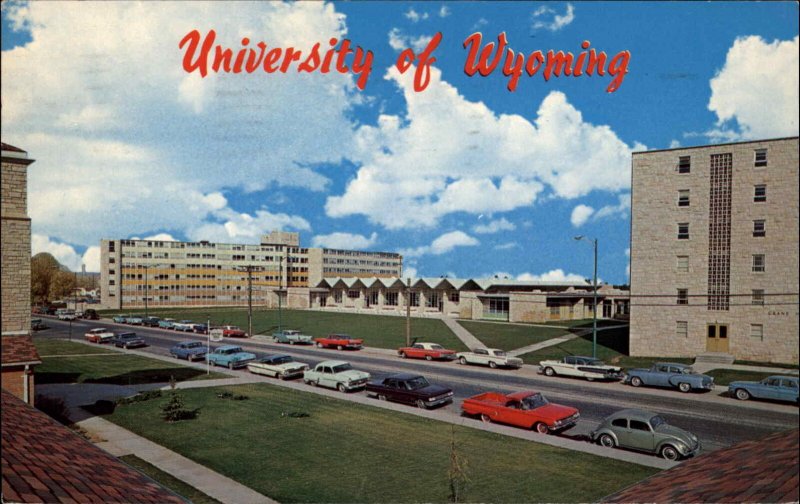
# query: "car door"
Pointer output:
{"type": "Point", "coordinates": [641, 435]}
{"type": "Point", "coordinates": [788, 389]}
{"type": "Point", "coordinates": [661, 376]}
{"type": "Point", "coordinates": [327, 377]}
{"type": "Point", "coordinates": [402, 392]}
{"type": "Point", "coordinates": [515, 415]}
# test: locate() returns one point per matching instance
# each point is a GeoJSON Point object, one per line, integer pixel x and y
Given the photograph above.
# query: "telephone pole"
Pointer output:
{"type": "Point", "coordinates": [250, 269]}
{"type": "Point", "coordinates": [408, 312]}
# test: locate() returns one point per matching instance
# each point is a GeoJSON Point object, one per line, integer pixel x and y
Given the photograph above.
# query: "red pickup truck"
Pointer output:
{"type": "Point", "coordinates": [530, 410]}
{"type": "Point", "coordinates": [339, 341]}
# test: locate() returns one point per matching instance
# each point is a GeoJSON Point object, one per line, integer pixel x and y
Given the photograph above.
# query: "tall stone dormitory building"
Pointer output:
{"type": "Point", "coordinates": [714, 251]}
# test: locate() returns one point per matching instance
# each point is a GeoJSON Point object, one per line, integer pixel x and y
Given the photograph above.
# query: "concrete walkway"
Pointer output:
{"type": "Point", "coordinates": [702, 367]}
{"type": "Point", "coordinates": [465, 336]}
{"type": "Point", "coordinates": [544, 344]}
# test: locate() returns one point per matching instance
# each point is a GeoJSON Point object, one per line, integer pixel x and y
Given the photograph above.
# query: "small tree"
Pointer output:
{"type": "Point", "coordinates": [174, 409]}
{"type": "Point", "coordinates": [457, 473]}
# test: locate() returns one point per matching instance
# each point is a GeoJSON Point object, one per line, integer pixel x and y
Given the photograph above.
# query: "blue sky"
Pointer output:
{"type": "Point", "coordinates": [464, 178]}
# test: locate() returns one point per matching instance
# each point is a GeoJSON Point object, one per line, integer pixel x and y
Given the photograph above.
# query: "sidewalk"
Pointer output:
{"type": "Point", "coordinates": [465, 336]}
{"type": "Point", "coordinates": [702, 367]}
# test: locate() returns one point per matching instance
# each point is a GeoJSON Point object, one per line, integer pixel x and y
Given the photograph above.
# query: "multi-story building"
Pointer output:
{"type": "Point", "coordinates": [714, 251]}
{"type": "Point", "coordinates": [152, 273]}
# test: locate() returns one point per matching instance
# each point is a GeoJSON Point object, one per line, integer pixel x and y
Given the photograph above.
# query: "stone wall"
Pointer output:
{"type": "Point", "coordinates": [16, 249]}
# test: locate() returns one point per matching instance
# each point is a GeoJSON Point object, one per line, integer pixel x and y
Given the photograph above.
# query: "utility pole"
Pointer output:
{"type": "Point", "coordinates": [280, 296]}
{"type": "Point", "coordinates": [250, 269]}
{"type": "Point", "coordinates": [593, 241]}
{"type": "Point", "coordinates": [408, 312]}
{"type": "Point", "coordinates": [146, 288]}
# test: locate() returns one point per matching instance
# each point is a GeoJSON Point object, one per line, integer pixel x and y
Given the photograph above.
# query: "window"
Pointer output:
{"type": "Point", "coordinates": [432, 301]}
{"type": "Point", "coordinates": [682, 329]}
{"type": "Point", "coordinates": [760, 193]}
{"type": "Point", "coordinates": [759, 265]}
{"type": "Point", "coordinates": [683, 197]}
{"type": "Point", "coordinates": [760, 158]}
{"type": "Point", "coordinates": [639, 425]}
{"type": "Point", "coordinates": [683, 264]}
{"type": "Point", "coordinates": [111, 246]}
{"type": "Point", "coordinates": [337, 297]}
{"type": "Point", "coordinates": [353, 294]}
{"type": "Point", "coordinates": [758, 297]}
{"type": "Point", "coordinates": [413, 299]}
{"type": "Point", "coordinates": [391, 299]}
{"type": "Point", "coordinates": [759, 228]}
{"type": "Point", "coordinates": [683, 231]}
{"type": "Point", "coordinates": [620, 422]}
{"type": "Point", "coordinates": [454, 296]}
{"type": "Point", "coordinates": [684, 164]}
{"type": "Point", "coordinates": [757, 331]}
{"type": "Point", "coordinates": [683, 296]}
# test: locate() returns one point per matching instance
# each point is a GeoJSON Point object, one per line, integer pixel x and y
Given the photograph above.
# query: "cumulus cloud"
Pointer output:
{"type": "Point", "coordinates": [494, 226]}
{"type": "Point", "coordinates": [345, 241]}
{"type": "Point", "coordinates": [506, 246]}
{"type": "Point", "coordinates": [546, 18]}
{"type": "Point", "coordinates": [460, 149]}
{"type": "Point", "coordinates": [415, 16]}
{"type": "Point", "coordinates": [444, 11]}
{"type": "Point", "coordinates": [756, 90]}
{"type": "Point", "coordinates": [443, 244]}
{"type": "Point", "coordinates": [581, 214]}
{"type": "Point", "coordinates": [556, 275]}
{"type": "Point", "coordinates": [243, 227]}
{"type": "Point", "coordinates": [400, 41]}
{"type": "Point", "coordinates": [66, 254]}
{"type": "Point", "coordinates": [150, 138]}
{"type": "Point", "coordinates": [410, 272]}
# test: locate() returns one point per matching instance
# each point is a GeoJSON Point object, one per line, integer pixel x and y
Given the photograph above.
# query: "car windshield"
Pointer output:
{"type": "Point", "coordinates": [233, 350]}
{"type": "Point", "coordinates": [342, 367]}
{"type": "Point", "coordinates": [534, 401]}
{"type": "Point", "coordinates": [282, 360]}
{"type": "Point", "coordinates": [499, 353]}
{"type": "Point", "coordinates": [656, 421]}
{"type": "Point", "coordinates": [417, 383]}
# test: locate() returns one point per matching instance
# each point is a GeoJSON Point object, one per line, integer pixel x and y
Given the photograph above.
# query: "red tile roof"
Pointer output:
{"type": "Point", "coordinates": [7, 147]}
{"type": "Point", "coordinates": [18, 349]}
{"type": "Point", "coordinates": [755, 471]}
{"type": "Point", "coordinates": [43, 461]}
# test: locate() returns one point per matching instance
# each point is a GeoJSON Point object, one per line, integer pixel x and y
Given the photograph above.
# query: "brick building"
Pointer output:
{"type": "Point", "coordinates": [714, 251]}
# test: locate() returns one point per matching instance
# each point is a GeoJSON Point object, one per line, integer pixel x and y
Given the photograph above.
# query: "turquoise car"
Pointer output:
{"type": "Point", "coordinates": [292, 336]}
{"type": "Point", "coordinates": [776, 388]}
{"type": "Point", "coordinates": [120, 319]}
{"type": "Point", "coordinates": [230, 356]}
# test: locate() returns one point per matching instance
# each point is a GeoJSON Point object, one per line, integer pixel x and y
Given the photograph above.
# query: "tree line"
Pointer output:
{"type": "Point", "coordinates": [51, 281]}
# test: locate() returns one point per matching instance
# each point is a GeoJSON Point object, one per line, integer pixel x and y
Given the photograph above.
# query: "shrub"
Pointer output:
{"type": "Point", "coordinates": [142, 396]}
{"type": "Point", "coordinates": [54, 407]}
{"type": "Point", "coordinates": [174, 409]}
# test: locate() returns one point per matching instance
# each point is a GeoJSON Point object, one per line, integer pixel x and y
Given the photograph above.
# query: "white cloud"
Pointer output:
{"type": "Point", "coordinates": [443, 244]}
{"type": "Point", "coordinates": [756, 89]}
{"type": "Point", "coordinates": [415, 16]}
{"type": "Point", "coordinates": [400, 41]}
{"type": "Point", "coordinates": [444, 11]}
{"type": "Point", "coordinates": [145, 146]}
{"type": "Point", "coordinates": [410, 272]}
{"type": "Point", "coordinates": [674, 144]}
{"type": "Point", "coordinates": [628, 265]}
{"type": "Point", "coordinates": [581, 214]}
{"type": "Point", "coordinates": [506, 246]}
{"type": "Point", "coordinates": [66, 254]}
{"type": "Point", "coordinates": [243, 227]}
{"type": "Point", "coordinates": [546, 18]}
{"type": "Point", "coordinates": [460, 149]}
{"type": "Point", "coordinates": [346, 241]}
{"type": "Point", "coordinates": [160, 237]}
{"type": "Point", "coordinates": [556, 275]}
{"type": "Point", "coordinates": [494, 226]}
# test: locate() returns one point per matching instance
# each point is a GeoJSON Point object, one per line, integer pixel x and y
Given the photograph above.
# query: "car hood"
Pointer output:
{"type": "Point", "coordinates": [433, 390]}
{"type": "Point", "coordinates": [353, 374]}
{"type": "Point", "coordinates": [676, 433]}
{"type": "Point", "coordinates": [554, 411]}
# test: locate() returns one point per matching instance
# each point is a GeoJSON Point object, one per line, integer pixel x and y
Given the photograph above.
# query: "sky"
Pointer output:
{"type": "Point", "coordinates": [465, 177]}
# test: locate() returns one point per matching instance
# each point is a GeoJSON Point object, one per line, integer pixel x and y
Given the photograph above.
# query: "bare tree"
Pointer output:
{"type": "Point", "coordinates": [457, 473]}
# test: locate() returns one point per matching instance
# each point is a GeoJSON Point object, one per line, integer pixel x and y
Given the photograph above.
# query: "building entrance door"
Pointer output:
{"type": "Point", "coordinates": [717, 340]}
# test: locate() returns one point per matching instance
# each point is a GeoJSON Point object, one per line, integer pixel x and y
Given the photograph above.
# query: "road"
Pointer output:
{"type": "Point", "coordinates": [718, 422]}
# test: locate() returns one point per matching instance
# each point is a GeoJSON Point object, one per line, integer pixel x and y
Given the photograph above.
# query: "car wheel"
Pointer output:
{"type": "Point", "coordinates": [685, 387]}
{"type": "Point", "coordinates": [174, 356]}
{"type": "Point", "coordinates": [589, 378]}
{"type": "Point", "coordinates": [607, 441]}
{"type": "Point", "coordinates": [492, 364]}
{"type": "Point", "coordinates": [230, 365]}
{"type": "Point", "coordinates": [670, 453]}
{"type": "Point", "coordinates": [428, 358]}
{"type": "Point", "coordinates": [421, 404]}
{"type": "Point", "coordinates": [291, 342]}
{"type": "Point", "coordinates": [307, 382]}
{"type": "Point", "coordinates": [319, 345]}
{"type": "Point", "coordinates": [402, 355]}
{"type": "Point", "coordinates": [341, 388]}
{"type": "Point", "coordinates": [548, 371]}
{"type": "Point", "coordinates": [541, 428]}
{"type": "Point", "coordinates": [636, 381]}
{"type": "Point", "coordinates": [485, 418]}
{"type": "Point", "coordinates": [742, 394]}
{"type": "Point", "coordinates": [381, 397]}
{"type": "Point", "coordinates": [338, 347]}
{"type": "Point", "coordinates": [462, 360]}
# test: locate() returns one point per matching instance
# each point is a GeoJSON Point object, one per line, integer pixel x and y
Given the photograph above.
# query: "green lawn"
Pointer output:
{"type": "Point", "coordinates": [113, 367]}
{"type": "Point", "coordinates": [509, 336]}
{"type": "Point", "coordinates": [725, 376]}
{"type": "Point", "coordinates": [767, 364]}
{"type": "Point", "coordinates": [344, 452]}
{"type": "Point", "coordinates": [380, 331]}
{"type": "Point", "coordinates": [612, 347]}
{"type": "Point", "coordinates": [167, 480]}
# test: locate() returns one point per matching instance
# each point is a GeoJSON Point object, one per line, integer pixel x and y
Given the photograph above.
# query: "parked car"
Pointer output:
{"type": "Point", "coordinates": [166, 323]}
{"type": "Point", "coordinates": [645, 431]}
{"type": "Point", "coordinates": [339, 342]}
{"type": "Point", "coordinates": [492, 357]}
{"type": "Point", "coordinates": [129, 340]}
{"type": "Point", "coordinates": [200, 328]}
{"type": "Point", "coordinates": [183, 326]}
{"type": "Point", "coordinates": [134, 319]}
{"type": "Point", "coordinates": [37, 324]}
{"type": "Point", "coordinates": [336, 374]}
{"type": "Point", "coordinates": [427, 351]}
{"type": "Point", "coordinates": [120, 319]}
{"type": "Point", "coordinates": [279, 366]}
{"type": "Point", "coordinates": [50, 310]}
{"type": "Point", "coordinates": [669, 374]}
{"type": "Point", "coordinates": [151, 321]}
{"type": "Point", "coordinates": [582, 367]}
{"type": "Point", "coordinates": [99, 335]}
{"type": "Point", "coordinates": [231, 356]}
{"type": "Point", "coordinates": [292, 337]}
{"type": "Point", "coordinates": [90, 314]}
{"type": "Point", "coordinates": [232, 331]}
{"type": "Point", "coordinates": [410, 389]}
{"type": "Point", "coordinates": [776, 388]}
{"type": "Point", "coordinates": [66, 314]}
{"type": "Point", "coordinates": [189, 350]}
{"type": "Point", "coordinates": [530, 410]}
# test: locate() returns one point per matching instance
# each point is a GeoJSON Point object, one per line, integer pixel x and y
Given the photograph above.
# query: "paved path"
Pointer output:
{"type": "Point", "coordinates": [465, 336]}
{"type": "Point", "coordinates": [702, 367]}
{"type": "Point", "coordinates": [559, 340]}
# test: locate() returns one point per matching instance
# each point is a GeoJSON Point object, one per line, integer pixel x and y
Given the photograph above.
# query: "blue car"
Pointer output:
{"type": "Point", "coordinates": [231, 356]}
{"type": "Point", "coordinates": [776, 388]}
{"type": "Point", "coordinates": [670, 374]}
{"type": "Point", "coordinates": [189, 350]}
{"type": "Point", "coordinates": [120, 319]}
{"type": "Point", "coordinates": [166, 323]}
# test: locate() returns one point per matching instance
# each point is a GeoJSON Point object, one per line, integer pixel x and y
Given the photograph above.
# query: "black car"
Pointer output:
{"type": "Point", "coordinates": [410, 389]}
{"type": "Point", "coordinates": [150, 321]}
{"type": "Point", "coordinates": [90, 314]}
{"type": "Point", "coordinates": [129, 340]}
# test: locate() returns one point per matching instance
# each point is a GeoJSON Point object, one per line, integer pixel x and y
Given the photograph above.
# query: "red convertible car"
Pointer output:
{"type": "Point", "coordinates": [428, 351]}
{"type": "Point", "coordinates": [530, 410]}
{"type": "Point", "coordinates": [339, 341]}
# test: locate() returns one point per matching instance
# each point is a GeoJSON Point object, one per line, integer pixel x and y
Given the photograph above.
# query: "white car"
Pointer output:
{"type": "Point", "coordinates": [492, 357]}
{"type": "Point", "coordinates": [99, 335]}
{"type": "Point", "coordinates": [66, 315]}
{"type": "Point", "coordinates": [582, 367]}
{"type": "Point", "coordinates": [279, 366]}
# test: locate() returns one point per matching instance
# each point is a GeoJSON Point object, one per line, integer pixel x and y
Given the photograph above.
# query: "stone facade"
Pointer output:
{"type": "Point", "coordinates": [734, 270]}
{"type": "Point", "coordinates": [16, 245]}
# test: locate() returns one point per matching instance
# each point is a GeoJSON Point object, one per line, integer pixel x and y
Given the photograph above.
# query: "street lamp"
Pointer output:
{"type": "Point", "coordinates": [594, 284]}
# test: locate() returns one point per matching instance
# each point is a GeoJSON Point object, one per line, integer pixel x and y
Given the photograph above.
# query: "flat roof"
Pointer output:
{"type": "Point", "coordinates": [717, 145]}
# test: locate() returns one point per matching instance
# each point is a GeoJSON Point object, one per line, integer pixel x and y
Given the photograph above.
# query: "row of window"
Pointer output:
{"type": "Point", "coordinates": [759, 161]}
{"type": "Point", "coordinates": [759, 195]}
{"type": "Point", "coordinates": [682, 330]}
{"type": "Point", "coordinates": [757, 297]}
{"type": "Point", "coordinates": [759, 229]}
